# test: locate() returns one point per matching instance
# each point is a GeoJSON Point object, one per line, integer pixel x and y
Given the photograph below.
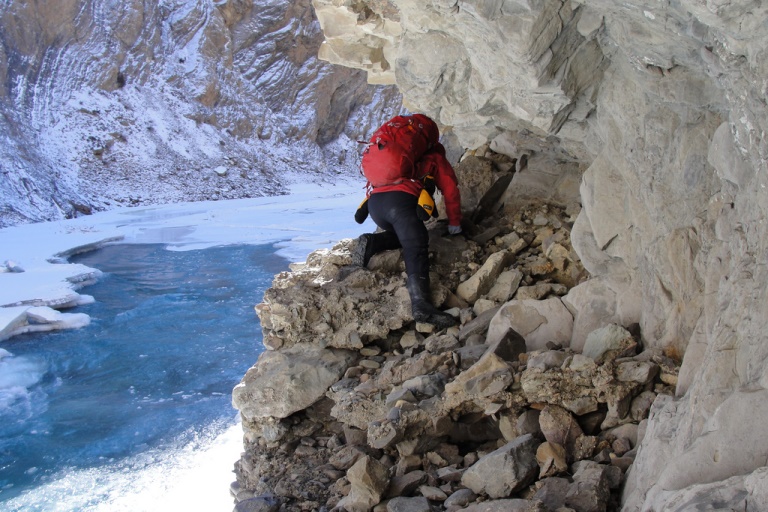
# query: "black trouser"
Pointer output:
{"type": "Point", "coordinates": [395, 213]}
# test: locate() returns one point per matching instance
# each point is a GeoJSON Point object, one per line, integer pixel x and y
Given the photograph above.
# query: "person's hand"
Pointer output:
{"type": "Point", "coordinates": [454, 230]}
{"type": "Point", "coordinates": [362, 212]}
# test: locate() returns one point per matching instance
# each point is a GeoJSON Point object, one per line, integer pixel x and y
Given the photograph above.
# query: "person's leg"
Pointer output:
{"type": "Point", "coordinates": [369, 244]}
{"type": "Point", "coordinates": [397, 211]}
{"type": "Point", "coordinates": [421, 303]}
{"type": "Point", "coordinates": [374, 243]}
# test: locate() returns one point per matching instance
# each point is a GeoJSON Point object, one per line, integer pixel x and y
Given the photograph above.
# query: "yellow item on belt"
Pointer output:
{"type": "Point", "coordinates": [427, 204]}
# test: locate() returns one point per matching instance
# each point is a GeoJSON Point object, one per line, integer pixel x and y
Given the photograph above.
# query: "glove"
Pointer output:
{"type": "Point", "coordinates": [429, 184]}
{"type": "Point", "coordinates": [362, 212]}
{"type": "Point", "coordinates": [454, 230]}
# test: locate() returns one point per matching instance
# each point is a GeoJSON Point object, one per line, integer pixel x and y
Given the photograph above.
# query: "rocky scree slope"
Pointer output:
{"type": "Point", "coordinates": [656, 112]}
{"type": "Point", "coordinates": [356, 407]}
{"type": "Point", "coordinates": [127, 103]}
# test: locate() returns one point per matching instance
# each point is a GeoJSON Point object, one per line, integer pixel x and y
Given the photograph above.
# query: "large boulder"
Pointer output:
{"type": "Point", "coordinates": [369, 479]}
{"type": "Point", "coordinates": [504, 471]}
{"type": "Point", "coordinates": [484, 279]}
{"type": "Point", "coordinates": [538, 321]}
{"type": "Point", "coordinates": [283, 382]}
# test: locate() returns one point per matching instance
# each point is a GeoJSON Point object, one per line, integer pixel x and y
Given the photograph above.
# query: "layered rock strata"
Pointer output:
{"type": "Point", "coordinates": [108, 104]}
{"type": "Point", "coordinates": [353, 406]}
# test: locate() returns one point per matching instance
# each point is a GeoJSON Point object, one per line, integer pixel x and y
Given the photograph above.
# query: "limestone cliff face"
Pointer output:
{"type": "Point", "coordinates": [120, 103]}
{"type": "Point", "coordinates": [660, 107]}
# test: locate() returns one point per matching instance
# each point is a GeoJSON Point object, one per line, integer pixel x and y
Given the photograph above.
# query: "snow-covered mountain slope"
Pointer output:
{"type": "Point", "coordinates": [110, 103]}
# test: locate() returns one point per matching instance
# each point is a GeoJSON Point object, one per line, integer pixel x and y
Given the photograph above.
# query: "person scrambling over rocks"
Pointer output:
{"type": "Point", "coordinates": [404, 162]}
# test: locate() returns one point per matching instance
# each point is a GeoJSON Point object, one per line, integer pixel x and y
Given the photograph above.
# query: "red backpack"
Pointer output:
{"type": "Point", "coordinates": [395, 147]}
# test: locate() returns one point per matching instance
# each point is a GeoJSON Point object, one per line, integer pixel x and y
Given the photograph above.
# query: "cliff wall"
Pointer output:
{"type": "Point", "coordinates": [660, 107]}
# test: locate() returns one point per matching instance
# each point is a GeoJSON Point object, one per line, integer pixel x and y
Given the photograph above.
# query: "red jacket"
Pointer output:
{"type": "Point", "coordinates": [433, 162]}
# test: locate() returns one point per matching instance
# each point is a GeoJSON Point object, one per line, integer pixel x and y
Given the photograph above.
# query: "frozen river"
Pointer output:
{"type": "Point", "coordinates": [170, 335]}
{"type": "Point", "coordinates": [133, 411]}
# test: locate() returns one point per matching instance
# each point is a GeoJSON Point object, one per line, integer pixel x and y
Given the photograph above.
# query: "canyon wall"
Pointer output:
{"type": "Point", "coordinates": [659, 108]}
{"type": "Point", "coordinates": [110, 104]}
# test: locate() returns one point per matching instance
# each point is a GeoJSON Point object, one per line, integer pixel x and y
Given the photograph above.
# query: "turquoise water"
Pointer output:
{"type": "Point", "coordinates": [171, 333]}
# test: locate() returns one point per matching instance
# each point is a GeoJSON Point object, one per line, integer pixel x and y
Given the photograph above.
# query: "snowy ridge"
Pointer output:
{"type": "Point", "coordinates": [130, 104]}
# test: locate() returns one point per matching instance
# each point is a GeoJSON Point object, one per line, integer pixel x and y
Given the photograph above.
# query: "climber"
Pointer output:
{"type": "Point", "coordinates": [396, 208]}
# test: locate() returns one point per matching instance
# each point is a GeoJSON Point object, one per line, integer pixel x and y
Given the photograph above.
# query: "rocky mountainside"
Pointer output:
{"type": "Point", "coordinates": [356, 407]}
{"type": "Point", "coordinates": [653, 114]}
{"type": "Point", "coordinates": [124, 103]}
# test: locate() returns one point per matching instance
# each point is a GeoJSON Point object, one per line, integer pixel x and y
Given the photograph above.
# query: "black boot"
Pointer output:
{"type": "Point", "coordinates": [421, 306]}
{"type": "Point", "coordinates": [373, 243]}
{"type": "Point", "coordinates": [362, 251]}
